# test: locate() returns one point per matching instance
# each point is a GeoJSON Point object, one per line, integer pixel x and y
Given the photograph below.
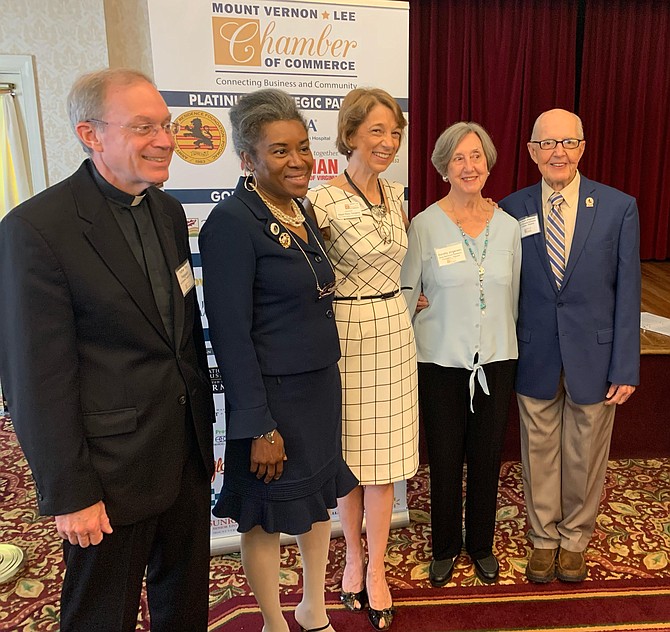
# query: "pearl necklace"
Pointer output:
{"type": "Point", "coordinates": [480, 267]}
{"type": "Point", "coordinates": [297, 221]}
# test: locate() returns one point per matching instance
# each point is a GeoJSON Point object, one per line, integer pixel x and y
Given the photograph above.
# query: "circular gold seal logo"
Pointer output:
{"type": "Point", "coordinates": [201, 138]}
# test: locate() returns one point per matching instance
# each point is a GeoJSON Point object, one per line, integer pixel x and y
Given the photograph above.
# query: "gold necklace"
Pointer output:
{"type": "Point", "coordinates": [284, 218]}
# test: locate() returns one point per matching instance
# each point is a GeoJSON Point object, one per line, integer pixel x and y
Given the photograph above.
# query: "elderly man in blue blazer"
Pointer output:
{"type": "Point", "coordinates": [579, 341]}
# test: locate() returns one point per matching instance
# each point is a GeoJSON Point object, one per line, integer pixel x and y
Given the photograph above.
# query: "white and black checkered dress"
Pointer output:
{"type": "Point", "coordinates": [378, 366]}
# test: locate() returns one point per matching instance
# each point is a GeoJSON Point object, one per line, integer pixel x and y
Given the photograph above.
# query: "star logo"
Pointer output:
{"type": "Point", "coordinates": [325, 15]}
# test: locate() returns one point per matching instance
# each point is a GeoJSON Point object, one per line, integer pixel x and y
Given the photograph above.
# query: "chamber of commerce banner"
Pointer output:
{"type": "Point", "coordinates": [208, 54]}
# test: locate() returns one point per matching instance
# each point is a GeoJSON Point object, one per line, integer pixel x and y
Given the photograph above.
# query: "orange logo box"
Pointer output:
{"type": "Point", "coordinates": [237, 41]}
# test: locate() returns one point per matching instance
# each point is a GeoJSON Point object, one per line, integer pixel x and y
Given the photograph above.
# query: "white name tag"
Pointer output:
{"type": "Point", "coordinates": [529, 226]}
{"type": "Point", "coordinates": [453, 253]}
{"type": "Point", "coordinates": [349, 210]}
{"type": "Point", "coordinates": [185, 277]}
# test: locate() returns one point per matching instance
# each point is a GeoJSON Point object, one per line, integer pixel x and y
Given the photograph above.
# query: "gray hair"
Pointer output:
{"type": "Point", "coordinates": [86, 100]}
{"type": "Point", "coordinates": [448, 141]}
{"type": "Point", "coordinates": [580, 127]}
{"type": "Point", "coordinates": [254, 111]}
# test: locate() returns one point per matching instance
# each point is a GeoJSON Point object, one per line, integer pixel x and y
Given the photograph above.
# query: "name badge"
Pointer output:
{"type": "Point", "coordinates": [349, 210]}
{"type": "Point", "coordinates": [185, 277]}
{"type": "Point", "coordinates": [452, 253]}
{"type": "Point", "coordinates": [529, 226]}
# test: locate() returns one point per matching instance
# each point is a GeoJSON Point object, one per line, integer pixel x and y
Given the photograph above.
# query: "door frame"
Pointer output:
{"type": "Point", "coordinates": [19, 70]}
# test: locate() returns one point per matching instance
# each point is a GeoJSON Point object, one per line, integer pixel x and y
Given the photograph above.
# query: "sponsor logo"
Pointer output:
{"type": "Point", "coordinates": [201, 138]}
{"type": "Point", "coordinates": [193, 224]}
{"type": "Point", "coordinates": [222, 522]}
{"type": "Point", "coordinates": [325, 168]}
{"type": "Point", "coordinates": [215, 377]}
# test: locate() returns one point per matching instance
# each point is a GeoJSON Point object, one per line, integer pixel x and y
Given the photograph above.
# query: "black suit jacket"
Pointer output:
{"type": "Point", "coordinates": [99, 395]}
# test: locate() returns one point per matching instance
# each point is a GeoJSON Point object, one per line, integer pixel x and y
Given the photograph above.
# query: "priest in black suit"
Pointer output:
{"type": "Point", "coordinates": [103, 362]}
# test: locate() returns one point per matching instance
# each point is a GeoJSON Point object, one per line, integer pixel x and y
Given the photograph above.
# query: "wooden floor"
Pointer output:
{"type": "Point", "coordinates": [656, 300]}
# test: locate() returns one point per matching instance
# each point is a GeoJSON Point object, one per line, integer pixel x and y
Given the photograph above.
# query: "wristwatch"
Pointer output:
{"type": "Point", "coordinates": [268, 436]}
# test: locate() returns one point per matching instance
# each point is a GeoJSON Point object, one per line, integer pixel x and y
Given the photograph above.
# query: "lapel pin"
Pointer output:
{"type": "Point", "coordinates": [589, 202]}
{"type": "Point", "coordinates": [285, 240]}
{"type": "Point", "coordinates": [274, 228]}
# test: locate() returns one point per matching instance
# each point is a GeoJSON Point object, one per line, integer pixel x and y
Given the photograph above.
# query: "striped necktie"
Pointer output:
{"type": "Point", "coordinates": [556, 237]}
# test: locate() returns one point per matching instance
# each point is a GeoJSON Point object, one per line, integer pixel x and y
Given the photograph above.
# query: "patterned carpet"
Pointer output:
{"type": "Point", "coordinates": [628, 560]}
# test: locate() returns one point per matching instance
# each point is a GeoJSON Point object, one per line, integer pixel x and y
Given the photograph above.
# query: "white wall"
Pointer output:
{"type": "Point", "coordinates": [66, 39]}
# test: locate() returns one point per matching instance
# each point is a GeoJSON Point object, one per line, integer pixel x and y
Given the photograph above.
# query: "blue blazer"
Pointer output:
{"type": "Point", "coordinates": [591, 327]}
{"type": "Point", "coordinates": [262, 305]}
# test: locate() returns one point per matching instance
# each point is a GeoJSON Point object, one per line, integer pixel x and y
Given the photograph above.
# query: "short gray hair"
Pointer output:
{"type": "Point", "coordinates": [254, 111]}
{"type": "Point", "coordinates": [87, 97]}
{"type": "Point", "coordinates": [448, 141]}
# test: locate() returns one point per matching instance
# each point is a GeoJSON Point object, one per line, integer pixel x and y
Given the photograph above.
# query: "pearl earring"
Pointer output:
{"type": "Point", "coordinates": [445, 178]}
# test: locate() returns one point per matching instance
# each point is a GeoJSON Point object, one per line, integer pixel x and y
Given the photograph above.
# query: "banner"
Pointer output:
{"type": "Point", "coordinates": [208, 54]}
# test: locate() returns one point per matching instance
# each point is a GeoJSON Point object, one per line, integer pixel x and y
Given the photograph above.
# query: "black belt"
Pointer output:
{"type": "Point", "coordinates": [385, 295]}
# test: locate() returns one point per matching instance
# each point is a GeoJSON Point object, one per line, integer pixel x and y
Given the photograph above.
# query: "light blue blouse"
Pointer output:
{"type": "Point", "coordinates": [453, 329]}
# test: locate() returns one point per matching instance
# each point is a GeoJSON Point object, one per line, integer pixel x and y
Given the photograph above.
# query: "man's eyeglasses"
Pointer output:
{"type": "Point", "coordinates": [550, 143]}
{"type": "Point", "coordinates": [145, 129]}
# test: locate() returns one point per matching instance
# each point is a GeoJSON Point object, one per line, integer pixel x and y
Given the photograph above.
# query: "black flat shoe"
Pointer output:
{"type": "Point", "coordinates": [354, 601]}
{"type": "Point", "coordinates": [375, 617]}
{"type": "Point", "coordinates": [440, 571]}
{"type": "Point", "coordinates": [487, 568]}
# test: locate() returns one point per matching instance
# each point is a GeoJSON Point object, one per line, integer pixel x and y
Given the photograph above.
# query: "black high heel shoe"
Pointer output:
{"type": "Point", "coordinates": [375, 617]}
{"type": "Point", "coordinates": [323, 627]}
{"type": "Point", "coordinates": [354, 601]}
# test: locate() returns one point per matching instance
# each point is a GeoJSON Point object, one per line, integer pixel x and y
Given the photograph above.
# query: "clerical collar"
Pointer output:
{"type": "Point", "coordinates": [114, 194]}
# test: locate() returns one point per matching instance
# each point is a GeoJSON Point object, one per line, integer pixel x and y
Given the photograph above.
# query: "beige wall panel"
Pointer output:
{"type": "Point", "coordinates": [128, 36]}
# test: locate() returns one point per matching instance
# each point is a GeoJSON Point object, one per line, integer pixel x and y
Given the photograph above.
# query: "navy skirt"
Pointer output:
{"type": "Point", "coordinates": [307, 409]}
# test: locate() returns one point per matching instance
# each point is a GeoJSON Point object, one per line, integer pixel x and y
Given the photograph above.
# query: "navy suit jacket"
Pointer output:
{"type": "Point", "coordinates": [99, 394]}
{"type": "Point", "coordinates": [590, 328]}
{"type": "Point", "coordinates": [262, 305]}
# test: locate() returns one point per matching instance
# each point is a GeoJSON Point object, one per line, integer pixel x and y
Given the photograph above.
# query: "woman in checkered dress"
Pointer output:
{"type": "Point", "coordinates": [364, 227]}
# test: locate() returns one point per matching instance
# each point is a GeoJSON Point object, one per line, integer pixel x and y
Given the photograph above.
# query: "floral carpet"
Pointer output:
{"type": "Point", "coordinates": [628, 557]}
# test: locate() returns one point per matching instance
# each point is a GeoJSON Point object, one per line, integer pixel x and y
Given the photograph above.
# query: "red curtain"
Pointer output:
{"type": "Point", "coordinates": [625, 108]}
{"type": "Point", "coordinates": [503, 62]}
{"type": "Point", "coordinates": [497, 62]}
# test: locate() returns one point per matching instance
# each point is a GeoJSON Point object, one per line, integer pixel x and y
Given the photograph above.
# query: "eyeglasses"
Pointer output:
{"type": "Point", "coordinates": [550, 143]}
{"type": "Point", "coordinates": [145, 129]}
{"type": "Point", "coordinates": [329, 288]}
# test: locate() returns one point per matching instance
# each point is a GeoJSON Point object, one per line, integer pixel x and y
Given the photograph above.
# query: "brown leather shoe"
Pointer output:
{"type": "Point", "coordinates": [541, 567]}
{"type": "Point", "coordinates": [571, 566]}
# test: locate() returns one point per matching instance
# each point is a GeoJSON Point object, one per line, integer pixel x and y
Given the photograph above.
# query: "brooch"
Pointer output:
{"type": "Point", "coordinates": [274, 228]}
{"type": "Point", "coordinates": [285, 240]}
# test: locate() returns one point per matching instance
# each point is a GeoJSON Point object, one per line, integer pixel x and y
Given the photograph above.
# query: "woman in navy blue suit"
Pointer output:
{"type": "Point", "coordinates": [268, 288]}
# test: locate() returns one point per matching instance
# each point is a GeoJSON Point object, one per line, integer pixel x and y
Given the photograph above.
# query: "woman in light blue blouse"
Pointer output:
{"type": "Point", "coordinates": [465, 255]}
